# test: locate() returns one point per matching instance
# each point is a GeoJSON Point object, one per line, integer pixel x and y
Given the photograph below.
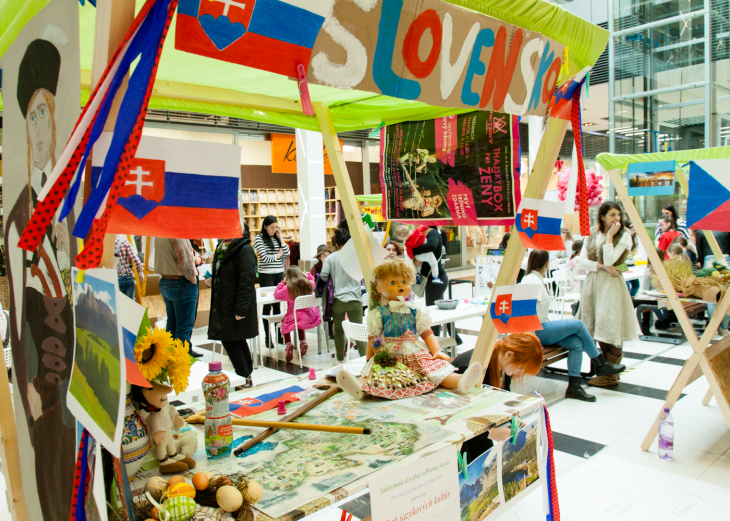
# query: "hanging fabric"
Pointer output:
{"type": "Point", "coordinates": [81, 480]}
{"type": "Point", "coordinates": [550, 488]}
{"type": "Point", "coordinates": [575, 121]}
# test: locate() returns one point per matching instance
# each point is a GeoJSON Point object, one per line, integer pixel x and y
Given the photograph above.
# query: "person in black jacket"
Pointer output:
{"type": "Point", "coordinates": [703, 247]}
{"type": "Point", "coordinates": [233, 316]}
{"type": "Point", "coordinates": [433, 245]}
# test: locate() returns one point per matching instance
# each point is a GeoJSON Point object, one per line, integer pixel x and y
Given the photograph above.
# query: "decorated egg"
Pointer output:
{"type": "Point", "coordinates": [180, 508]}
{"type": "Point", "coordinates": [176, 479]}
{"type": "Point", "coordinates": [229, 498]}
{"type": "Point", "coordinates": [181, 489]}
{"type": "Point", "coordinates": [253, 492]}
{"type": "Point", "coordinates": [201, 480]}
{"type": "Point", "coordinates": [156, 486]}
{"type": "Point", "coordinates": [155, 513]}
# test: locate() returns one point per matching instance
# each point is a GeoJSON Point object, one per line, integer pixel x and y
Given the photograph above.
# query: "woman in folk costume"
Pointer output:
{"type": "Point", "coordinates": [404, 358]}
{"type": "Point", "coordinates": [606, 308]}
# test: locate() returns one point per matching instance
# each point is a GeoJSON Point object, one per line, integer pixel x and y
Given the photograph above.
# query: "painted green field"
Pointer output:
{"type": "Point", "coordinates": [85, 396]}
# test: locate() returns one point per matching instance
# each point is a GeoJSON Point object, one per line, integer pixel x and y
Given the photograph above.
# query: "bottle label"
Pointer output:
{"type": "Point", "coordinates": [217, 410]}
{"type": "Point", "coordinates": [225, 430]}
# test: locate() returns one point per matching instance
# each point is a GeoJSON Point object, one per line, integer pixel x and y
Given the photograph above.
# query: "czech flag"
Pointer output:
{"type": "Point", "coordinates": [177, 188]}
{"type": "Point", "coordinates": [514, 309]}
{"type": "Point", "coordinates": [256, 404]}
{"type": "Point", "coordinates": [538, 224]}
{"type": "Point", "coordinates": [708, 204]}
{"type": "Point", "coordinates": [271, 35]}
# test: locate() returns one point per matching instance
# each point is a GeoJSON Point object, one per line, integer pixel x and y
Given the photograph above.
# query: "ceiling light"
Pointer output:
{"type": "Point", "coordinates": [588, 124]}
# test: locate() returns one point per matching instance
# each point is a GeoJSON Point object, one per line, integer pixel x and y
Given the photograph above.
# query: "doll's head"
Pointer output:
{"type": "Point", "coordinates": [392, 278]}
{"type": "Point", "coordinates": [151, 400]}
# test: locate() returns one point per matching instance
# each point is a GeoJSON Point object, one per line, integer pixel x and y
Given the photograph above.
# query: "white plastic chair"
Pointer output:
{"type": "Point", "coordinates": [562, 295]}
{"type": "Point", "coordinates": [306, 302]}
{"type": "Point", "coordinates": [354, 332]}
{"type": "Point", "coordinates": [273, 321]}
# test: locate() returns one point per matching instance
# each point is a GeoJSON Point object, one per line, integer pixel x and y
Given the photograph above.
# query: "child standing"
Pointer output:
{"type": "Point", "coordinates": [296, 284]}
{"type": "Point", "coordinates": [414, 239]}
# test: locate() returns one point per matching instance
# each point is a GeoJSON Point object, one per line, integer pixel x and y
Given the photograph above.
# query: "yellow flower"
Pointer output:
{"type": "Point", "coordinates": [179, 368]}
{"type": "Point", "coordinates": [152, 352]}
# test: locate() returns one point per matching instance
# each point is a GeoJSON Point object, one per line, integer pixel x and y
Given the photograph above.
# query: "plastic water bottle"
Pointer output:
{"type": "Point", "coordinates": [666, 435]}
{"type": "Point", "coordinates": [218, 427]}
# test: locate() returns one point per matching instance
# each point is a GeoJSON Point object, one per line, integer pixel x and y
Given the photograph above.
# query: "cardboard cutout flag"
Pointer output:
{"type": "Point", "coordinates": [538, 224]}
{"type": "Point", "coordinates": [561, 104]}
{"type": "Point", "coordinates": [514, 309]}
{"type": "Point", "coordinates": [135, 323]}
{"type": "Point", "coordinates": [255, 404]}
{"type": "Point", "coordinates": [177, 188]}
{"type": "Point", "coordinates": [708, 204]}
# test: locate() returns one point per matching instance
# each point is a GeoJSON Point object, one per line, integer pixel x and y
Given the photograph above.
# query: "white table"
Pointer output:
{"type": "Point", "coordinates": [634, 273]}
{"type": "Point", "coordinates": [463, 311]}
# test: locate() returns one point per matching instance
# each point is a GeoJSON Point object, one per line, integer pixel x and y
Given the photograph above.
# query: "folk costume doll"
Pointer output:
{"type": "Point", "coordinates": [404, 358]}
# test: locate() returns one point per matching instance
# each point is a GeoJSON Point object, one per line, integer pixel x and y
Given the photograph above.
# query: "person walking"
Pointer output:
{"type": "Point", "coordinates": [271, 251]}
{"type": "Point", "coordinates": [233, 310]}
{"type": "Point", "coordinates": [175, 263]}
{"type": "Point", "coordinates": [126, 256]}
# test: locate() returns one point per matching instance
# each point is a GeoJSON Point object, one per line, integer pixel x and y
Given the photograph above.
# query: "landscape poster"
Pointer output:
{"type": "Point", "coordinates": [654, 178]}
{"type": "Point", "coordinates": [519, 461]}
{"type": "Point", "coordinates": [457, 170]}
{"type": "Point", "coordinates": [95, 394]}
{"type": "Point", "coordinates": [479, 493]}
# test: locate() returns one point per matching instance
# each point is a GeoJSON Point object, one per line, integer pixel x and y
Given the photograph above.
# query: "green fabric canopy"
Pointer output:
{"type": "Point", "coordinates": [619, 161]}
{"type": "Point", "coordinates": [351, 109]}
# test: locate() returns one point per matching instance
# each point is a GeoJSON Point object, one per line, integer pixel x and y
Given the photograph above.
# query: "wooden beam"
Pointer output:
{"type": "Point", "coordinates": [188, 92]}
{"type": "Point", "coordinates": [146, 267]}
{"type": "Point", "coordinates": [137, 283]}
{"type": "Point", "coordinates": [711, 240]}
{"type": "Point", "coordinates": [537, 185]}
{"type": "Point", "coordinates": [347, 195]}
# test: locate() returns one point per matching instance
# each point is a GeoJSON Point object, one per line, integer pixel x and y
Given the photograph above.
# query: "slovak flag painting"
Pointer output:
{"type": "Point", "coordinates": [708, 204]}
{"type": "Point", "coordinates": [538, 224]}
{"type": "Point", "coordinates": [255, 404]}
{"type": "Point", "coordinates": [514, 309]}
{"type": "Point", "coordinates": [271, 35]}
{"type": "Point", "coordinates": [177, 188]}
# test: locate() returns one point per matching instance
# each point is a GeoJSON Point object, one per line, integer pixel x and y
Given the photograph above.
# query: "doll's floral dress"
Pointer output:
{"type": "Point", "coordinates": [402, 366]}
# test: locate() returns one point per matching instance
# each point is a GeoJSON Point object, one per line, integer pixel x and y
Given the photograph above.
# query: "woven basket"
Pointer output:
{"type": "Point", "coordinates": [5, 292]}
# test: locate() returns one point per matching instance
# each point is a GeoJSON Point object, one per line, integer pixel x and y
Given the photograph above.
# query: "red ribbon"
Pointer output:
{"type": "Point", "coordinates": [575, 120]}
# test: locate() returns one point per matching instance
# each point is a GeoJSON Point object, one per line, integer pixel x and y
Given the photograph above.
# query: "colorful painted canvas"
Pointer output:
{"type": "Point", "coordinates": [163, 189]}
{"type": "Point", "coordinates": [425, 50]}
{"type": "Point", "coordinates": [95, 394]}
{"type": "Point", "coordinates": [655, 178]}
{"type": "Point", "coordinates": [708, 204]}
{"type": "Point", "coordinates": [458, 170]}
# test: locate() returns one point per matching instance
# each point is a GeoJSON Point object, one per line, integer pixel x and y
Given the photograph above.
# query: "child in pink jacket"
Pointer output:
{"type": "Point", "coordinates": [296, 284]}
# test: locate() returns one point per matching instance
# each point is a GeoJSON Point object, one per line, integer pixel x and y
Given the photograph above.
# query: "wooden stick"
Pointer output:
{"type": "Point", "coordinates": [137, 283]}
{"type": "Point", "coordinates": [333, 389]}
{"type": "Point", "coordinates": [200, 418]}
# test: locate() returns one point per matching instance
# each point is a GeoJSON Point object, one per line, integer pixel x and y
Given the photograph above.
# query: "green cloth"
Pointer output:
{"type": "Point", "coordinates": [619, 161]}
{"type": "Point", "coordinates": [351, 109]}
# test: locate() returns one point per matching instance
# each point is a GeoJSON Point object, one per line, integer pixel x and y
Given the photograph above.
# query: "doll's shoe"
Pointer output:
{"type": "Point", "coordinates": [190, 462]}
{"type": "Point", "coordinates": [289, 352]}
{"type": "Point", "coordinates": [350, 384]}
{"type": "Point", "coordinates": [303, 347]}
{"type": "Point", "coordinates": [178, 457]}
{"type": "Point", "coordinates": [437, 280]}
{"type": "Point", "coordinates": [470, 378]}
{"type": "Point", "coordinates": [169, 466]}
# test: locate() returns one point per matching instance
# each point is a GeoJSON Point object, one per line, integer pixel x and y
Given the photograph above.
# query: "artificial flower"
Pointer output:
{"type": "Point", "coordinates": [179, 366]}
{"type": "Point", "coordinates": [151, 352]}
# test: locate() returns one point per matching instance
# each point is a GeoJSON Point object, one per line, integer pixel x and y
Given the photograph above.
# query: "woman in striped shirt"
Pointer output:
{"type": "Point", "coordinates": [271, 251]}
{"type": "Point", "coordinates": [679, 224]}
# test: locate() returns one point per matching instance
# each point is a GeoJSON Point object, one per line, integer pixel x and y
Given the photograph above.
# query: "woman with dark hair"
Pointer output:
{"type": "Point", "coordinates": [393, 249]}
{"type": "Point", "coordinates": [348, 295]}
{"type": "Point", "coordinates": [669, 232]}
{"type": "Point", "coordinates": [605, 304]}
{"type": "Point", "coordinates": [505, 240]}
{"type": "Point", "coordinates": [569, 333]}
{"type": "Point", "coordinates": [233, 315]}
{"type": "Point", "coordinates": [271, 251]}
{"type": "Point", "coordinates": [434, 292]}
{"type": "Point", "coordinates": [679, 224]}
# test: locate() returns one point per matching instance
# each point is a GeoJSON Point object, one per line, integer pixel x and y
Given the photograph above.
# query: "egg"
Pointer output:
{"type": "Point", "coordinates": [229, 498]}
{"type": "Point", "coordinates": [155, 513]}
{"type": "Point", "coordinates": [156, 486]}
{"type": "Point", "coordinates": [175, 479]}
{"type": "Point", "coordinates": [201, 480]}
{"type": "Point", "coordinates": [180, 508]}
{"type": "Point", "coordinates": [181, 489]}
{"type": "Point", "coordinates": [253, 492]}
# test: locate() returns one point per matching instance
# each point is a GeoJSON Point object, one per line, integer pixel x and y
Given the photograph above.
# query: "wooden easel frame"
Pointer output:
{"type": "Point", "coordinates": [700, 361]}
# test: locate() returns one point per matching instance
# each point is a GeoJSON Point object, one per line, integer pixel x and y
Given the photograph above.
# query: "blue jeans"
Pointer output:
{"type": "Point", "coordinates": [572, 334]}
{"type": "Point", "coordinates": [709, 259]}
{"type": "Point", "coordinates": [181, 302]}
{"type": "Point", "coordinates": [126, 286]}
{"type": "Point", "coordinates": [633, 287]}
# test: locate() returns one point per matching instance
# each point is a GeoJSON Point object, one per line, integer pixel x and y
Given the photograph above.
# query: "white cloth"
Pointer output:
{"type": "Point", "coordinates": [611, 253]}
{"type": "Point", "coordinates": [543, 298]}
{"type": "Point", "coordinates": [162, 420]}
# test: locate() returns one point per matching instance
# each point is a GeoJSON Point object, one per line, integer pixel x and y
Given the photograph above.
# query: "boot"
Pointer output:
{"type": "Point", "coordinates": [614, 360]}
{"type": "Point", "coordinates": [606, 381]}
{"type": "Point", "coordinates": [577, 392]}
{"type": "Point", "coordinates": [604, 368]}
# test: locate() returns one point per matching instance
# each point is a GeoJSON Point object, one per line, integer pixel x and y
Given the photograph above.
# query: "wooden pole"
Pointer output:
{"type": "Point", "coordinates": [10, 454]}
{"type": "Point", "coordinates": [146, 267]}
{"type": "Point", "coordinates": [537, 185]}
{"type": "Point", "coordinates": [347, 194]}
{"type": "Point", "coordinates": [137, 283]}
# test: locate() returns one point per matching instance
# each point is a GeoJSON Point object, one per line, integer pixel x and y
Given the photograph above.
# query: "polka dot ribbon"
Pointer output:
{"type": "Point", "coordinates": [81, 480]}
{"type": "Point", "coordinates": [575, 120]}
{"type": "Point", "coordinates": [554, 507]}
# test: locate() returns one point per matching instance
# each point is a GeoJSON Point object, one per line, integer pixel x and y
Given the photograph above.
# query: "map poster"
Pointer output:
{"type": "Point", "coordinates": [487, 270]}
{"type": "Point", "coordinates": [426, 489]}
{"type": "Point", "coordinates": [457, 170]}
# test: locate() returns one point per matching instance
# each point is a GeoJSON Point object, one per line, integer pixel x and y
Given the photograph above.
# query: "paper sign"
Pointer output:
{"type": "Point", "coordinates": [423, 490]}
{"type": "Point", "coordinates": [514, 309]}
{"type": "Point", "coordinates": [463, 170]}
{"type": "Point", "coordinates": [487, 270]}
{"type": "Point", "coordinates": [708, 204]}
{"type": "Point", "coordinates": [348, 256]}
{"type": "Point", "coordinates": [284, 155]}
{"type": "Point", "coordinates": [655, 178]}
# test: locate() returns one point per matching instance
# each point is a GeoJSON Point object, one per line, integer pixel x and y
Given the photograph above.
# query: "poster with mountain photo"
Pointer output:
{"type": "Point", "coordinates": [95, 394]}
{"type": "Point", "coordinates": [519, 461]}
{"type": "Point", "coordinates": [479, 491]}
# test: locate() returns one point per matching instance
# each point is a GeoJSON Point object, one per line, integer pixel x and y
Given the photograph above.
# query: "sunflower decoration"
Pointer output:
{"type": "Point", "coordinates": [162, 358]}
